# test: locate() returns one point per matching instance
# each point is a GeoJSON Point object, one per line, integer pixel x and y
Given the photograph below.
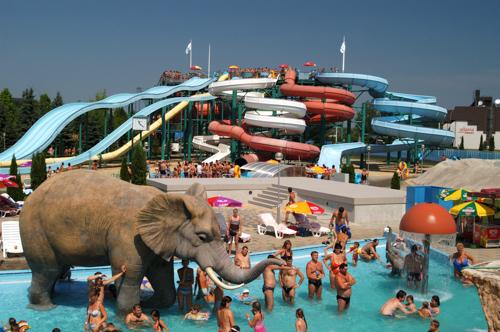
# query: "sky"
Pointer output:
{"type": "Point", "coordinates": [441, 48]}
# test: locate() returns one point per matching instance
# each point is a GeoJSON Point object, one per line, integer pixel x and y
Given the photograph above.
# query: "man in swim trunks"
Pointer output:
{"type": "Point", "coordinates": [242, 258]}
{"type": "Point", "coordinates": [288, 282]}
{"type": "Point", "coordinates": [270, 283]}
{"type": "Point", "coordinates": [344, 282]}
{"type": "Point", "coordinates": [185, 289]}
{"type": "Point", "coordinates": [137, 318]}
{"type": "Point", "coordinates": [369, 251]}
{"type": "Point", "coordinates": [339, 217]}
{"type": "Point", "coordinates": [396, 303]}
{"type": "Point", "coordinates": [413, 266]}
{"type": "Point", "coordinates": [314, 272]}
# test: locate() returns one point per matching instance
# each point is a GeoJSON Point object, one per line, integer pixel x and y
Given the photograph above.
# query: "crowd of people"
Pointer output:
{"type": "Point", "coordinates": [218, 169]}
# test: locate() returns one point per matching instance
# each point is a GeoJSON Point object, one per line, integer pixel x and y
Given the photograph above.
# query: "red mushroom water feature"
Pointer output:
{"type": "Point", "coordinates": [428, 222]}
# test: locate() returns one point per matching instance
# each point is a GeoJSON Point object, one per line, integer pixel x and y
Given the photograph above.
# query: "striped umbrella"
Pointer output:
{"type": "Point", "coordinates": [454, 194]}
{"type": "Point", "coordinates": [472, 209]}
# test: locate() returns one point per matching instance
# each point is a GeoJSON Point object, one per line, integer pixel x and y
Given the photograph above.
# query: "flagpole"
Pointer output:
{"type": "Point", "coordinates": [190, 54]}
{"type": "Point", "coordinates": [343, 55]}
{"type": "Point", "coordinates": [208, 61]}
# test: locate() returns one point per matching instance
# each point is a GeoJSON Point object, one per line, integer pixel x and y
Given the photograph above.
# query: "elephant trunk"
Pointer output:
{"type": "Point", "coordinates": [231, 273]}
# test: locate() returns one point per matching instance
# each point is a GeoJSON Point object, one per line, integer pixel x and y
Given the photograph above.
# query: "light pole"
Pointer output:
{"type": "Point", "coordinates": [422, 166]}
{"type": "Point", "coordinates": [368, 149]}
{"type": "Point", "coordinates": [279, 157]}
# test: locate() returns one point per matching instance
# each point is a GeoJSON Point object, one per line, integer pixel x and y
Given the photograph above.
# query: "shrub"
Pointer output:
{"type": "Point", "coordinates": [38, 172]}
{"type": "Point", "coordinates": [352, 174]}
{"type": "Point", "coordinates": [461, 147]}
{"type": "Point", "coordinates": [481, 144]}
{"type": "Point", "coordinates": [139, 167]}
{"type": "Point", "coordinates": [124, 174]}
{"type": "Point", "coordinates": [492, 143]}
{"type": "Point", "coordinates": [395, 181]}
{"type": "Point", "coordinates": [16, 193]}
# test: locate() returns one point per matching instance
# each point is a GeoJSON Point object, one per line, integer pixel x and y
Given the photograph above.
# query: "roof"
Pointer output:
{"type": "Point", "coordinates": [265, 170]}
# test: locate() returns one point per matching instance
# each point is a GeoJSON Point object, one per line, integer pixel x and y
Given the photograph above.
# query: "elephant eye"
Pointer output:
{"type": "Point", "coordinates": [202, 236]}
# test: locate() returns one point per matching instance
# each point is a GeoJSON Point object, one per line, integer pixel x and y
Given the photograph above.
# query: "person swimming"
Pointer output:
{"type": "Point", "coordinates": [410, 304]}
{"type": "Point", "coordinates": [394, 304]}
{"type": "Point", "coordinates": [425, 310]}
{"type": "Point", "coordinates": [196, 314]}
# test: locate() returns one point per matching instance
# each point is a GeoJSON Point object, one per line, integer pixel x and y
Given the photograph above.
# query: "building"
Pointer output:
{"type": "Point", "coordinates": [481, 118]}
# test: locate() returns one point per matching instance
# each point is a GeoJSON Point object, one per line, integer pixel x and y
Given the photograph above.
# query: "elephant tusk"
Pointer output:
{"type": "Point", "coordinates": [211, 273]}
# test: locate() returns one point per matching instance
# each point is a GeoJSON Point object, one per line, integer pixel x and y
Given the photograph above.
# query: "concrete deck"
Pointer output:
{"type": "Point", "coordinates": [366, 204]}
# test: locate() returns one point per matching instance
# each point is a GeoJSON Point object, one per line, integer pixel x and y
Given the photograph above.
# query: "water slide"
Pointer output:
{"type": "Point", "coordinates": [46, 129]}
{"type": "Point", "coordinates": [407, 107]}
{"type": "Point", "coordinates": [260, 113]}
{"type": "Point", "coordinates": [211, 144]}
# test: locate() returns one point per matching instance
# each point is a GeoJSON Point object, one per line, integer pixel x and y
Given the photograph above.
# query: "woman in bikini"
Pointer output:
{"type": "Point", "coordinates": [234, 227]}
{"type": "Point", "coordinates": [336, 258]}
{"type": "Point", "coordinates": [460, 260]}
{"type": "Point", "coordinates": [285, 252]}
{"type": "Point", "coordinates": [96, 314]}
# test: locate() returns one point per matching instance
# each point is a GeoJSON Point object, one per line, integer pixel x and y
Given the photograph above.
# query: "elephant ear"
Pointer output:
{"type": "Point", "coordinates": [158, 222]}
{"type": "Point", "coordinates": [197, 190]}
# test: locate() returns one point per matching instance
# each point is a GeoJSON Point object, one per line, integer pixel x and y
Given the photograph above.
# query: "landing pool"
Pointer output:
{"type": "Point", "coordinates": [460, 307]}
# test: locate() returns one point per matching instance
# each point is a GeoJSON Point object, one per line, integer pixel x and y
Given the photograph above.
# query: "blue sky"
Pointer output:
{"type": "Point", "coordinates": [442, 48]}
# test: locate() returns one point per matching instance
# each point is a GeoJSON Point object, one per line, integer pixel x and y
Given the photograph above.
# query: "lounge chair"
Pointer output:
{"type": "Point", "coordinates": [305, 225]}
{"type": "Point", "coordinates": [11, 238]}
{"type": "Point", "coordinates": [9, 206]}
{"type": "Point", "coordinates": [269, 224]}
{"type": "Point", "coordinates": [18, 204]}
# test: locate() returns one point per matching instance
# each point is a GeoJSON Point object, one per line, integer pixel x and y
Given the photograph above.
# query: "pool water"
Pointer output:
{"type": "Point", "coordinates": [460, 307]}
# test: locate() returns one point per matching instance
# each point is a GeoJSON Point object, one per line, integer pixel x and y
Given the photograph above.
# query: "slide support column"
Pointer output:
{"type": "Point", "coordinates": [163, 129]}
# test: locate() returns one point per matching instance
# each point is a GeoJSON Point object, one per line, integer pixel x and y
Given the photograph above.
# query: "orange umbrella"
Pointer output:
{"type": "Point", "coordinates": [309, 64]}
{"type": "Point", "coordinates": [234, 67]}
{"type": "Point", "coordinates": [283, 65]}
{"type": "Point", "coordinates": [195, 68]}
{"type": "Point", "coordinates": [305, 207]}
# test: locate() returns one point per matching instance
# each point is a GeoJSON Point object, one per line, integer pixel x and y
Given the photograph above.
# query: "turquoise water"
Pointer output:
{"type": "Point", "coordinates": [460, 307]}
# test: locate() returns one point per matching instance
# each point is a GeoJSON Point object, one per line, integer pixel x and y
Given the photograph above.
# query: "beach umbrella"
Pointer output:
{"type": "Point", "coordinates": [454, 194]}
{"type": "Point", "coordinates": [283, 66]}
{"type": "Point", "coordinates": [234, 67]}
{"type": "Point", "coordinates": [8, 183]}
{"type": "Point", "coordinates": [472, 209]}
{"type": "Point", "coordinates": [196, 68]}
{"type": "Point", "coordinates": [309, 64]}
{"type": "Point", "coordinates": [272, 161]}
{"type": "Point", "coordinates": [317, 169]}
{"type": "Point", "coordinates": [220, 201]}
{"type": "Point", "coordinates": [305, 207]}
{"type": "Point", "coordinates": [6, 177]}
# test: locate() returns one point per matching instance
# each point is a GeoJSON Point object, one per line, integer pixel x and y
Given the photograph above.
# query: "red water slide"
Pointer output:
{"type": "Point", "coordinates": [292, 150]}
{"type": "Point", "coordinates": [333, 104]}
{"type": "Point", "coordinates": [333, 107]}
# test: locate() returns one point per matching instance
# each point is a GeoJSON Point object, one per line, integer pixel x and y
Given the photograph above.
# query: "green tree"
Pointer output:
{"type": "Point", "coordinates": [395, 181]}
{"type": "Point", "coordinates": [491, 146]}
{"type": "Point", "coordinates": [38, 172]}
{"type": "Point", "coordinates": [16, 193]}
{"type": "Point", "coordinates": [45, 104]}
{"type": "Point", "coordinates": [29, 111]}
{"type": "Point", "coordinates": [139, 167]}
{"type": "Point", "coordinates": [124, 173]}
{"type": "Point", "coordinates": [352, 173]}
{"type": "Point", "coordinates": [9, 119]}
{"type": "Point", "coordinates": [58, 101]}
{"type": "Point", "coordinates": [461, 147]}
{"type": "Point", "coordinates": [481, 144]}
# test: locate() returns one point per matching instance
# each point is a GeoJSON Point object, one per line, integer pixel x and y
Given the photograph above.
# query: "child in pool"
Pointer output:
{"type": "Point", "coordinates": [425, 311]}
{"type": "Point", "coordinates": [355, 253]}
{"type": "Point", "coordinates": [196, 314]}
{"type": "Point", "coordinates": [158, 324]}
{"type": "Point", "coordinates": [410, 305]}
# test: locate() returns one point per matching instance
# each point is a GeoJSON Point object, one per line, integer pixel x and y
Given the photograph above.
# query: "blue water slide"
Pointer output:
{"type": "Point", "coordinates": [408, 107]}
{"type": "Point", "coordinates": [46, 129]}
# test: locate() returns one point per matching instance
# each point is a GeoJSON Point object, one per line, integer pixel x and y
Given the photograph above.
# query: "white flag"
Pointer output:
{"type": "Point", "coordinates": [188, 48]}
{"type": "Point", "coordinates": [342, 47]}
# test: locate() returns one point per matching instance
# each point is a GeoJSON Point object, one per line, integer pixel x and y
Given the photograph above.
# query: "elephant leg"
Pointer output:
{"type": "Point", "coordinates": [42, 283]}
{"type": "Point", "coordinates": [128, 287]}
{"type": "Point", "coordinates": [161, 276]}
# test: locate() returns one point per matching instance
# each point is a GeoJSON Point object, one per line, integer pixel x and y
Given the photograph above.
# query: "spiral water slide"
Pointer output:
{"type": "Point", "coordinates": [46, 129]}
{"type": "Point", "coordinates": [260, 113]}
{"type": "Point", "coordinates": [408, 107]}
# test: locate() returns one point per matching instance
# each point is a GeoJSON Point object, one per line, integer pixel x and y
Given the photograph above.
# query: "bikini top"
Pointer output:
{"type": "Point", "coordinates": [286, 256]}
{"type": "Point", "coordinates": [93, 313]}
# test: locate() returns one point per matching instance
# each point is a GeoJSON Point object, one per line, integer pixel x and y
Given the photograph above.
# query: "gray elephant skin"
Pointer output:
{"type": "Point", "coordinates": [84, 218]}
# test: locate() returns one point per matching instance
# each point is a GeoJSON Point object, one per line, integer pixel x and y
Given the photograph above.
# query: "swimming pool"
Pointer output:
{"type": "Point", "coordinates": [460, 307]}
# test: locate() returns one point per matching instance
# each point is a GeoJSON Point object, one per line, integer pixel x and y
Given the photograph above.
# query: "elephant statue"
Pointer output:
{"type": "Point", "coordinates": [393, 255]}
{"type": "Point", "coordinates": [84, 218]}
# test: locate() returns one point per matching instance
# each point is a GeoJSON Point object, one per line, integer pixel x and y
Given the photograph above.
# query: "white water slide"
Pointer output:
{"type": "Point", "coordinates": [281, 114]}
